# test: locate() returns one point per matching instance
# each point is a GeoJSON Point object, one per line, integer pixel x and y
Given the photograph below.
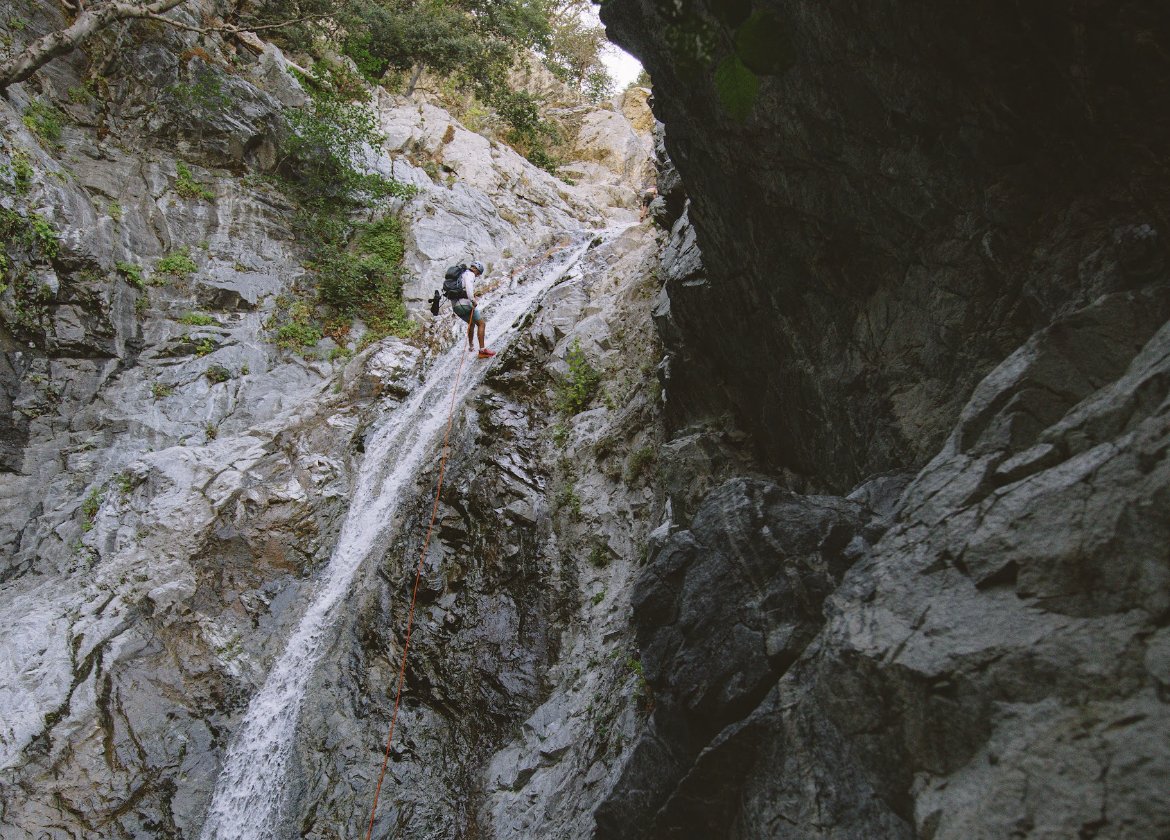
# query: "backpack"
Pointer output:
{"type": "Point", "coordinates": [453, 284]}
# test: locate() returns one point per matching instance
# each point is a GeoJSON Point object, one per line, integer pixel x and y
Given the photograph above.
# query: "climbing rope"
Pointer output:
{"type": "Point", "coordinates": [414, 595]}
{"type": "Point", "coordinates": [426, 542]}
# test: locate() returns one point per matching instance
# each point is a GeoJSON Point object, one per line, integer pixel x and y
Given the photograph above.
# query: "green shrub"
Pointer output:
{"type": "Point", "coordinates": [203, 96]}
{"type": "Point", "coordinates": [205, 347]}
{"type": "Point", "coordinates": [567, 498]}
{"type": "Point", "coordinates": [44, 234]}
{"type": "Point", "coordinates": [188, 187]}
{"type": "Point", "coordinates": [90, 507]}
{"type": "Point", "coordinates": [33, 232]}
{"type": "Point", "coordinates": [81, 95]}
{"type": "Point", "coordinates": [581, 384]}
{"type": "Point", "coordinates": [132, 273]}
{"type": "Point", "coordinates": [177, 263]}
{"type": "Point", "coordinates": [22, 172]}
{"type": "Point", "coordinates": [218, 374]}
{"type": "Point", "coordinates": [43, 120]}
{"type": "Point", "coordinates": [296, 336]}
{"type": "Point", "coordinates": [365, 278]}
{"type": "Point", "coordinates": [160, 389]}
{"type": "Point", "coordinates": [642, 693]}
{"type": "Point", "coordinates": [639, 463]}
{"type": "Point", "coordinates": [325, 140]}
{"type": "Point", "coordinates": [197, 319]}
{"type": "Point", "coordinates": [599, 556]}
{"type": "Point", "coordinates": [560, 434]}
{"type": "Point", "coordinates": [115, 211]}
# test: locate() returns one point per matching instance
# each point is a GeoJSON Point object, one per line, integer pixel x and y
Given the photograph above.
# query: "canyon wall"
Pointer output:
{"type": "Point", "coordinates": [921, 264]}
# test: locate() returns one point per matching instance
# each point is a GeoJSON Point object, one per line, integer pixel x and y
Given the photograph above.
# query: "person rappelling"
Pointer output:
{"type": "Point", "coordinates": [459, 288]}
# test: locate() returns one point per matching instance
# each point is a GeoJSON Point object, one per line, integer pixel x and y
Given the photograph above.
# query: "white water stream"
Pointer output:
{"type": "Point", "coordinates": [247, 802]}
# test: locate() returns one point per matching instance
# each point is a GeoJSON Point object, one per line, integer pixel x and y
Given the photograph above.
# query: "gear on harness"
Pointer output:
{"type": "Point", "coordinates": [435, 303]}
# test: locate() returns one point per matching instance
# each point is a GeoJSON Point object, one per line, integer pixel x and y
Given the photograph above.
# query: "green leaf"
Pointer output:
{"type": "Point", "coordinates": [737, 87]}
{"type": "Point", "coordinates": [763, 45]}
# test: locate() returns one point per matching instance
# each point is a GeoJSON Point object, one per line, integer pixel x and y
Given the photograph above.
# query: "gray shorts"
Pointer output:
{"type": "Point", "coordinates": [463, 310]}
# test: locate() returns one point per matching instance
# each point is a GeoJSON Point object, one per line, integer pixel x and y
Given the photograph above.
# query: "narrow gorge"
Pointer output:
{"type": "Point", "coordinates": [824, 495]}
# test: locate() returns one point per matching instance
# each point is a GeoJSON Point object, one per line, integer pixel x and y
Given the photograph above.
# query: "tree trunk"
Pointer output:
{"type": "Point", "coordinates": [43, 50]}
{"type": "Point", "coordinates": [418, 69]}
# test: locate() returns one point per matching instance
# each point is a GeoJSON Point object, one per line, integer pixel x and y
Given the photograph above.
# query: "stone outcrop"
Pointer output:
{"type": "Point", "coordinates": [173, 483]}
{"type": "Point", "coordinates": [913, 193]}
{"type": "Point", "coordinates": [927, 251]}
{"type": "Point", "coordinates": [989, 665]}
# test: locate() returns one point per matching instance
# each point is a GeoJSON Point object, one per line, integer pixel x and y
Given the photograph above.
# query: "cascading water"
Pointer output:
{"type": "Point", "coordinates": [247, 801]}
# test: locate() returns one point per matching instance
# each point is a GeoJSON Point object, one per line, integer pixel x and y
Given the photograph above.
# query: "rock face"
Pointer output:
{"type": "Point", "coordinates": [917, 257]}
{"type": "Point", "coordinates": [913, 193]}
{"type": "Point", "coordinates": [989, 665]}
{"type": "Point", "coordinates": [828, 502]}
{"type": "Point", "coordinates": [173, 483]}
{"type": "Point", "coordinates": [722, 609]}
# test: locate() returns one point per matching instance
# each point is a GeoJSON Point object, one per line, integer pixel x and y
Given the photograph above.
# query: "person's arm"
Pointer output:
{"type": "Point", "coordinates": [469, 285]}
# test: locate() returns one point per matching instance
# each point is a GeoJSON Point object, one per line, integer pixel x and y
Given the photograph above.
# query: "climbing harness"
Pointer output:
{"type": "Point", "coordinates": [414, 594]}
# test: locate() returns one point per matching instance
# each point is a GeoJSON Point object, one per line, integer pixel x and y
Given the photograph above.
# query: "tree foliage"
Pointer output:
{"type": "Point", "coordinates": [474, 42]}
{"type": "Point", "coordinates": [574, 46]}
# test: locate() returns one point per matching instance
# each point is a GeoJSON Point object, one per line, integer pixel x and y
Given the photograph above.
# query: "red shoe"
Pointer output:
{"type": "Point", "coordinates": [484, 353]}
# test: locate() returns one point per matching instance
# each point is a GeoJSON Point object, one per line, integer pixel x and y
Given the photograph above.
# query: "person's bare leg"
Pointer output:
{"type": "Point", "coordinates": [482, 325]}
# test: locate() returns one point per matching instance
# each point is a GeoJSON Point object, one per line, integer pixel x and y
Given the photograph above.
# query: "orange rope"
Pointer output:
{"type": "Point", "coordinates": [414, 595]}
{"type": "Point", "coordinates": [422, 556]}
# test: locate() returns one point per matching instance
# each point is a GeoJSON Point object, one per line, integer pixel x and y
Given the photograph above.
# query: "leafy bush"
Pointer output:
{"type": "Point", "coordinates": [567, 498]}
{"type": "Point", "coordinates": [639, 463]}
{"type": "Point", "coordinates": [132, 273]}
{"type": "Point", "coordinates": [177, 263]}
{"type": "Point", "coordinates": [44, 234]}
{"type": "Point", "coordinates": [296, 335]}
{"type": "Point", "coordinates": [365, 278]}
{"type": "Point", "coordinates": [43, 120]}
{"type": "Point", "coordinates": [21, 172]}
{"type": "Point", "coordinates": [90, 507]}
{"type": "Point", "coordinates": [32, 232]}
{"type": "Point", "coordinates": [643, 695]}
{"type": "Point", "coordinates": [528, 132]}
{"type": "Point", "coordinates": [326, 140]}
{"type": "Point", "coordinates": [197, 319]}
{"type": "Point", "coordinates": [218, 374]}
{"type": "Point", "coordinates": [581, 384]}
{"type": "Point", "coordinates": [188, 187]}
{"type": "Point", "coordinates": [203, 95]}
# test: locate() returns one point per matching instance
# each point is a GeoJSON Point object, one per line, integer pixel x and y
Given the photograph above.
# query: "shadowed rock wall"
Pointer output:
{"type": "Point", "coordinates": [934, 244]}
{"type": "Point", "coordinates": [915, 191]}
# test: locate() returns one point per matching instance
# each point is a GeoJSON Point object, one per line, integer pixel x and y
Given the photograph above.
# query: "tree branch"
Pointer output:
{"type": "Point", "coordinates": [227, 27]}
{"type": "Point", "coordinates": [89, 22]}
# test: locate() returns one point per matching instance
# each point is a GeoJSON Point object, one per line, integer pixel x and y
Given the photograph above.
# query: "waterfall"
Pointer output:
{"type": "Point", "coordinates": [248, 797]}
